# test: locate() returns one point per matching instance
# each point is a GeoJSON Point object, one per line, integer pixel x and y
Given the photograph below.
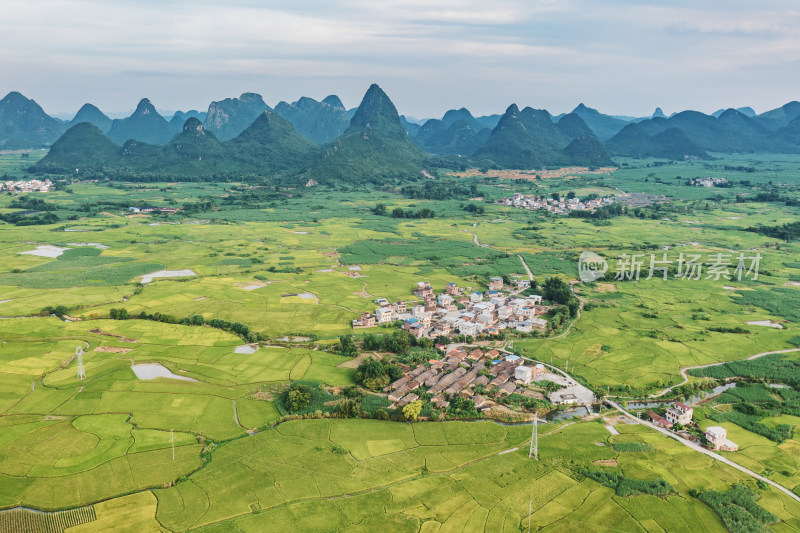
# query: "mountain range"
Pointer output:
{"type": "Point", "coordinates": [323, 141]}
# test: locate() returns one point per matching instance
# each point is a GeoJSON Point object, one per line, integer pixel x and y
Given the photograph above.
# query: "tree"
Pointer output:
{"type": "Point", "coordinates": [298, 398]}
{"type": "Point", "coordinates": [346, 346]}
{"type": "Point", "coordinates": [570, 195]}
{"type": "Point", "coordinates": [412, 410]}
{"type": "Point", "coordinates": [379, 209]}
{"type": "Point", "coordinates": [555, 290]}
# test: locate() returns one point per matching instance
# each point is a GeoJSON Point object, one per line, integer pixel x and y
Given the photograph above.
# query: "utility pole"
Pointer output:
{"type": "Point", "coordinates": [533, 452]}
{"type": "Point", "coordinates": [81, 370]}
{"type": "Point", "coordinates": [172, 441]}
{"type": "Point", "coordinates": [530, 508]}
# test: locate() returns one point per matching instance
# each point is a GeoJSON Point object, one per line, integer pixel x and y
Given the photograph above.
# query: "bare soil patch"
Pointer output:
{"type": "Point", "coordinates": [111, 349]}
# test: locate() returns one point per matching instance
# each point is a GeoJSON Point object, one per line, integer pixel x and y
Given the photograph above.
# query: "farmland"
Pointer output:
{"type": "Point", "coordinates": [295, 267]}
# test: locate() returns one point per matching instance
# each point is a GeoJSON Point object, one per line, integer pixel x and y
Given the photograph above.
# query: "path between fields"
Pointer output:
{"type": "Point", "coordinates": [698, 448]}
{"type": "Point", "coordinates": [528, 270]}
{"type": "Point", "coordinates": [564, 333]}
{"type": "Point", "coordinates": [475, 238]}
{"type": "Point", "coordinates": [686, 378]}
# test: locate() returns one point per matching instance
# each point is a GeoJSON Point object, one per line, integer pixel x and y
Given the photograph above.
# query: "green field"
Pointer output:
{"type": "Point", "coordinates": [101, 449]}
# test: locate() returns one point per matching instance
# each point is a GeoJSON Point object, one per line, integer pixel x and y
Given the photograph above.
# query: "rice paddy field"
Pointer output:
{"type": "Point", "coordinates": [210, 451]}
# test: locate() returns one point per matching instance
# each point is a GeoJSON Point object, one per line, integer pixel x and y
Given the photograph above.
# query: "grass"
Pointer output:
{"type": "Point", "coordinates": [65, 443]}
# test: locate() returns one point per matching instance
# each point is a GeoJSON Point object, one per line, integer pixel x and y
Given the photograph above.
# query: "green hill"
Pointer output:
{"type": "Point", "coordinates": [530, 139]}
{"type": "Point", "coordinates": [144, 125]}
{"type": "Point", "coordinates": [319, 122]}
{"type": "Point", "coordinates": [457, 133]}
{"type": "Point", "coordinates": [636, 141]}
{"type": "Point", "coordinates": [180, 117]}
{"type": "Point", "coordinates": [374, 147]}
{"type": "Point", "coordinates": [90, 113]}
{"type": "Point", "coordinates": [24, 124]}
{"type": "Point", "coordinates": [587, 151]}
{"type": "Point", "coordinates": [603, 126]}
{"type": "Point", "coordinates": [271, 145]}
{"type": "Point", "coordinates": [269, 148]}
{"type": "Point", "coordinates": [228, 118]}
{"type": "Point", "coordinates": [83, 147]}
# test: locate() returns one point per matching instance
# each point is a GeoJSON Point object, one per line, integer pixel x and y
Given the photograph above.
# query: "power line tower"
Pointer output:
{"type": "Point", "coordinates": [81, 370]}
{"type": "Point", "coordinates": [534, 449]}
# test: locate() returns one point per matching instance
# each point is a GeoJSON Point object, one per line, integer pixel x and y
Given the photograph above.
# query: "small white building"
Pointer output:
{"type": "Point", "coordinates": [523, 373]}
{"type": "Point", "coordinates": [445, 299]}
{"type": "Point", "coordinates": [717, 437]}
{"type": "Point", "coordinates": [467, 328]}
{"type": "Point", "coordinates": [524, 326]}
{"type": "Point", "coordinates": [384, 315]}
{"type": "Point", "coordinates": [476, 297]}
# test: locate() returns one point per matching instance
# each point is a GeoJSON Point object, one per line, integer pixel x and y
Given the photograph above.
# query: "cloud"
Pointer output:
{"type": "Point", "coordinates": [624, 56]}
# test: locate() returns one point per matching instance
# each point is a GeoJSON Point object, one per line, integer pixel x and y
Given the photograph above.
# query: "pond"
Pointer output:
{"type": "Point", "coordinates": [154, 370]}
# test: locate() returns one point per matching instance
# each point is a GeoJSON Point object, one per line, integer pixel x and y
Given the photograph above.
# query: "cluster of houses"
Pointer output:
{"type": "Point", "coordinates": [680, 413]}
{"type": "Point", "coordinates": [561, 206]}
{"type": "Point", "coordinates": [27, 186]}
{"type": "Point", "coordinates": [462, 372]}
{"type": "Point", "coordinates": [457, 312]}
{"type": "Point", "coordinates": [165, 210]}
{"type": "Point", "coordinates": [709, 182]}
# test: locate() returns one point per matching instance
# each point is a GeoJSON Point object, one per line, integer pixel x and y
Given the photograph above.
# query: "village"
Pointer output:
{"type": "Point", "coordinates": [678, 417]}
{"type": "Point", "coordinates": [454, 312]}
{"type": "Point", "coordinates": [709, 182]}
{"type": "Point", "coordinates": [484, 376]}
{"type": "Point", "coordinates": [558, 206]}
{"type": "Point", "coordinates": [27, 186]}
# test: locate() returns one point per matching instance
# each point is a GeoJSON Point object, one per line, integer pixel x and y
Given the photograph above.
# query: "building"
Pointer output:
{"type": "Point", "coordinates": [564, 399]}
{"type": "Point", "coordinates": [679, 414]}
{"type": "Point", "coordinates": [524, 326]}
{"type": "Point", "coordinates": [476, 297]}
{"type": "Point", "coordinates": [452, 289]}
{"type": "Point", "coordinates": [495, 284]}
{"type": "Point", "coordinates": [384, 315]}
{"type": "Point", "coordinates": [523, 373]}
{"type": "Point", "coordinates": [717, 437]}
{"type": "Point", "coordinates": [367, 320]}
{"type": "Point", "coordinates": [659, 420]}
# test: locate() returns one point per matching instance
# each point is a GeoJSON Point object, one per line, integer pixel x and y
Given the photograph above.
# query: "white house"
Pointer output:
{"type": "Point", "coordinates": [524, 326]}
{"type": "Point", "coordinates": [476, 297]}
{"type": "Point", "coordinates": [445, 299]}
{"type": "Point", "coordinates": [384, 314]}
{"type": "Point", "coordinates": [467, 328]}
{"type": "Point", "coordinates": [717, 437]}
{"type": "Point", "coordinates": [523, 373]}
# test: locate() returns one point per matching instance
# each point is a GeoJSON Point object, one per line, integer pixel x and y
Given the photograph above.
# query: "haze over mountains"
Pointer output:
{"type": "Point", "coordinates": [322, 140]}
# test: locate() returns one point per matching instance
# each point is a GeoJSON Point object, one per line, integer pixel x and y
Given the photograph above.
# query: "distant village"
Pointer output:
{"type": "Point", "coordinates": [27, 186]}
{"type": "Point", "coordinates": [454, 312]}
{"type": "Point", "coordinates": [709, 182]}
{"type": "Point", "coordinates": [560, 206]}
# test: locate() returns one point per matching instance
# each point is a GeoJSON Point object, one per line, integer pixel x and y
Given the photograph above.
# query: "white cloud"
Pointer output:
{"type": "Point", "coordinates": [620, 53]}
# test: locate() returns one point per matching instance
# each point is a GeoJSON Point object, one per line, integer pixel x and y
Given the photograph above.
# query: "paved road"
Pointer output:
{"type": "Point", "coordinates": [698, 448]}
{"type": "Point", "coordinates": [686, 378]}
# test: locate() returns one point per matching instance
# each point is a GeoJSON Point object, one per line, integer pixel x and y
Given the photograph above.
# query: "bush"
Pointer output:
{"type": "Point", "coordinates": [738, 509]}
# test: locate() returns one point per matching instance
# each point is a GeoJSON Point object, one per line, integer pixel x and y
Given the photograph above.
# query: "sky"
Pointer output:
{"type": "Point", "coordinates": [623, 57]}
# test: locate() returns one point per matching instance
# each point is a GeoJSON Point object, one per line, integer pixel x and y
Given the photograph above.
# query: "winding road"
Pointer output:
{"type": "Point", "coordinates": [698, 448]}
{"type": "Point", "coordinates": [686, 378]}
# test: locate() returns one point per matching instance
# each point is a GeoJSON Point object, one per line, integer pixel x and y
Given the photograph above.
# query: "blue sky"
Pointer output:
{"type": "Point", "coordinates": [620, 56]}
